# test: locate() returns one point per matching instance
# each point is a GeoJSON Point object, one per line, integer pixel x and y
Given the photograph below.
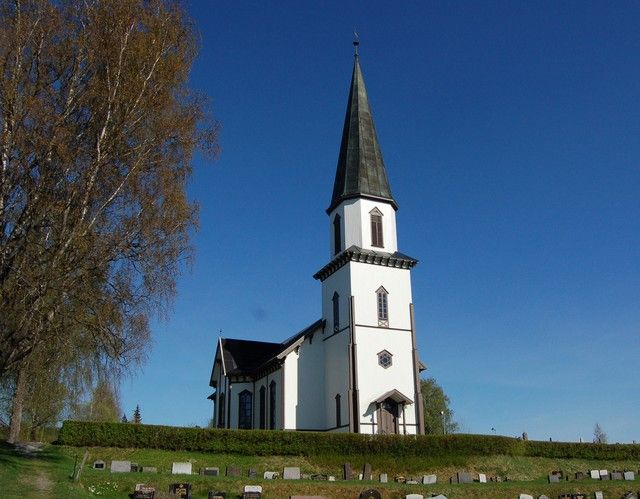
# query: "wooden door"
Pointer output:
{"type": "Point", "coordinates": [388, 417]}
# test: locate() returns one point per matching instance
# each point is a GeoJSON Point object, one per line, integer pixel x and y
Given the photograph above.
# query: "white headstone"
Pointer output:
{"type": "Point", "coordinates": [120, 466]}
{"type": "Point", "coordinates": [181, 469]}
{"type": "Point", "coordinates": [384, 478]}
{"type": "Point", "coordinates": [482, 477]}
{"type": "Point", "coordinates": [253, 488]}
{"type": "Point", "coordinates": [428, 479]}
{"type": "Point", "coordinates": [599, 495]}
{"type": "Point", "coordinates": [270, 475]}
{"type": "Point", "coordinates": [629, 475]}
{"type": "Point", "coordinates": [525, 496]}
{"type": "Point", "coordinates": [604, 473]}
{"type": "Point", "coordinates": [543, 497]}
{"type": "Point", "coordinates": [414, 496]}
{"type": "Point", "coordinates": [595, 474]}
{"type": "Point", "coordinates": [360, 476]}
{"type": "Point", "coordinates": [331, 478]}
{"type": "Point", "coordinates": [291, 473]}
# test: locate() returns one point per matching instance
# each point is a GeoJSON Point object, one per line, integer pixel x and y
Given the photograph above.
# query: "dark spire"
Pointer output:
{"type": "Point", "coordinates": [360, 171]}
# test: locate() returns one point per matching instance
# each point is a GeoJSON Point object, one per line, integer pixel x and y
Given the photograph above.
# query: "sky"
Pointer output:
{"type": "Point", "coordinates": [510, 133]}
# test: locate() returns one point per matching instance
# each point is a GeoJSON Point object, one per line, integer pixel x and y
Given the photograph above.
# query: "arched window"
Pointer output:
{"type": "Point", "coordinates": [221, 410]}
{"type": "Point", "coordinates": [383, 307]}
{"type": "Point", "coordinates": [263, 407]}
{"type": "Point", "coordinates": [338, 418]}
{"type": "Point", "coordinates": [272, 405]}
{"type": "Point", "coordinates": [337, 235]}
{"type": "Point", "coordinates": [336, 311]}
{"type": "Point", "coordinates": [245, 409]}
{"type": "Point", "coordinates": [376, 228]}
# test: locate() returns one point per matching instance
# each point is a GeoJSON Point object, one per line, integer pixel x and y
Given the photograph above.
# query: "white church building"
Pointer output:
{"type": "Point", "coordinates": [356, 369]}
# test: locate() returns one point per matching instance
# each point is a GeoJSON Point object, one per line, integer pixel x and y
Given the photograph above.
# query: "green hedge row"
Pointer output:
{"type": "Point", "coordinates": [261, 442]}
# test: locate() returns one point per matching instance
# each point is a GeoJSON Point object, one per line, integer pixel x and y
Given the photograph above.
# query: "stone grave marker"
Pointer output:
{"type": "Point", "coordinates": [579, 495]}
{"type": "Point", "coordinates": [347, 472]}
{"type": "Point", "coordinates": [579, 475]}
{"type": "Point", "coordinates": [565, 496]}
{"type": "Point", "coordinates": [216, 495]}
{"type": "Point", "coordinates": [482, 478]}
{"type": "Point", "coordinates": [412, 481]}
{"type": "Point", "coordinates": [181, 469]}
{"type": "Point", "coordinates": [414, 496]}
{"type": "Point", "coordinates": [453, 479]}
{"type": "Point", "coordinates": [370, 494]}
{"type": "Point", "coordinates": [271, 475]}
{"type": "Point", "coordinates": [595, 474]}
{"type": "Point", "coordinates": [210, 471]}
{"type": "Point", "coordinates": [99, 465]}
{"type": "Point", "coordinates": [525, 496]}
{"type": "Point", "coordinates": [181, 489]}
{"type": "Point", "coordinates": [233, 471]}
{"type": "Point", "coordinates": [553, 478]}
{"type": "Point", "coordinates": [439, 496]}
{"type": "Point", "coordinates": [331, 478]}
{"type": "Point", "coordinates": [359, 476]}
{"type": "Point", "coordinates": [120, 466]}
{"type": "Point", "coordinates": [149, 469]}
{"type": "Point", "coordinates": [252, 473]}
{"type": "Point", "coordinates": [604, 475]}
{"type": "Point", "coordinates": [543, 497]}
{"type": "Point", "coordinates": [429, 479]}
{"type": "Point", "coordinates": [616, 475]}
{"type": "Point", "coordinates": [291, 473]}
{"type": "Point", "coordinates": [399, 479]}
{"type": "Point", "coordinates": [464, 477]}
{"type": "Point", "coordinates": [135, 468]}
{"type": "Point", "coordinates": [252, 488]}
{"type": "Point", "coordinates": [143, 491]}
{"type": "Point", "coordinates": [629, 475]}
{"type": "Point", "coordinates": [598, 494]}
{"type": "Point", "coordinates": [630, 495]}
{"type": "Point", "coordinates": [366, 472]}
{"type": "Point", "coordinates": [384, 478]}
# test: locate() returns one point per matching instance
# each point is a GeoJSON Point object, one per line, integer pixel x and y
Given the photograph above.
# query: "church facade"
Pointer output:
{"type": "Point", "coordinates": [356, 369]}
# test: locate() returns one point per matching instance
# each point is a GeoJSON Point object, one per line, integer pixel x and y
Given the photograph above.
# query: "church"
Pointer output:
{"type": "Point", "coordinates": [356, 369]}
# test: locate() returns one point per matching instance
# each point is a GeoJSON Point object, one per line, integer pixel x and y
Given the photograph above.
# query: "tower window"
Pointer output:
{"type": "Point", "coordinates": [376, 228]}
{"type": "Point", "coordinates": [272, 405]}
{"type": "Point", "coordinates": [336, 311]}
{"type": "Point", "coordinates": [245, 403]}
{"type": "Point", "coordinates": [385, 359]}
{"type": "Point", "coordinates": [383, 307]}
{"type": "Point", "coordinates": [337, 235]}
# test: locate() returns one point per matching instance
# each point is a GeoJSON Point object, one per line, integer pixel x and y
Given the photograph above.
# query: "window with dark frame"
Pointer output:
{"type": "Point", "coordinates": [272, 405]}
{"type": "Point", "coordinates": [336, 311]}
{"type": "Point", "coordinates": [385, 359]}
{"type": "Point", "coordinates": [376, 228]}
{"type": "Point", "coordinates": [338, 415]}
{"type": "Point", "coordinates": [383, 307]}
{"type": "Point", "coordinates": [263, 408]}
{"type": "Point", "coordinates": [245, 409]}
{"type": "Point", "coordinates": [337, 235]}
{"type": "Point", "coordinates": [221, 410]}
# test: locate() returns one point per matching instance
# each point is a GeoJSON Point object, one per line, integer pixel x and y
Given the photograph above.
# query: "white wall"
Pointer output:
{"type": "Point", "coordinates": [310, 408]}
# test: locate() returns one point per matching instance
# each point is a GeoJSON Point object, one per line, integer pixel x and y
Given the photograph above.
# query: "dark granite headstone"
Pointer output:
{"type": "Point", "coordinates": [564, 496]}
{"type": "Point", "coordinates": [217, 495]}
{"type": "Point", "coordinates": [181, 490]}
{"type": "Point", "coordinates": [99, 465]}
{"type": "Point", "coordinates": [144, 492]}
{"type": "Point", "coordinates": [251, 495]}
{"type": "Point", "coordinates": [233, 471]}
{"type": "Point", "coordinates": [616, 475]}
{"type": "Point", "coordinates": [347, 472]}
{"type": "Point", "coordinates": [135, 468]}
{"type": "Point", "coordinates": [366, 472]}
{"type": "Point", "coordinates": [252, 473]}
{"type": "Point", "coordinates": [605, 477]}
{"type": "Point", "coordinates": [579, 475]}
{"type": "Point", "coordinates": [210, 471]}
{"type": "Point", "coordinates": [370, 494]}
{"type": "Point", "coordinates": [464, 477]}
{"type": "Point", "coordinates": [579, 495]}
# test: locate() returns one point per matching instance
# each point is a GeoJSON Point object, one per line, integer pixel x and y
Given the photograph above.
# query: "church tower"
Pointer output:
{"type": "Point", "coordinates": [371, 361]}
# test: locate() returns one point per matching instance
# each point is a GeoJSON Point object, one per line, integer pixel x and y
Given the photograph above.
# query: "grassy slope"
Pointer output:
{"type": "Point", "coordinates": [47, 475]}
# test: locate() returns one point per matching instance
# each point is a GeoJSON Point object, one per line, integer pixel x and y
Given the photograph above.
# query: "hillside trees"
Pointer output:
{"type": "Point", "coordinates": [97, 130]}
{"type": "Point", "coordinates": [438, 416]}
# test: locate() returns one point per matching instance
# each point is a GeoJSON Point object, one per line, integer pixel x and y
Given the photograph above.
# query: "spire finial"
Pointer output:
{"type": "Point", "coordinates": [356, 42]}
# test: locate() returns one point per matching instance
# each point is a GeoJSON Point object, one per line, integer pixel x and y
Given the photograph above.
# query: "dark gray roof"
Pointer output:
{"type": "Point", "coordinates": [360, 171]}
{"type": "Point", "coordinates": [356, 254]}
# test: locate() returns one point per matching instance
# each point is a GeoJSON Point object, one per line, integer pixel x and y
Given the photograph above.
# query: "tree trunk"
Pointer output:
{"type": "Point", "coordinates": [16, 409]}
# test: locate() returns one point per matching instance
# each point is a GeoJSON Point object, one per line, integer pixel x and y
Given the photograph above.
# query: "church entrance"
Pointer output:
{"type": "Point", "coordinates": [388, 417]}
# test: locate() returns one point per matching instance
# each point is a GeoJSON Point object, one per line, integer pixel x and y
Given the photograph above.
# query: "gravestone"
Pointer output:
{"type": "Point", "coordinates": [359, 476]}
{"type": "Point", "coordinates": [579, 475]}
{"type": "Point", "coordinates": [464, 477]}
{"type": "Point", "coordinates": [252, 473]}
{"type": "Point", "coordinates": [135, 468]}
{"type": "Point", "coordinates": [210, 471]}
{"type": "Point", "coordinates": [604, 475]}
{"type": "Point", "coordinates": [554, 478]}
{"type": "Point", "coordinates": [412, 481]}
{"type": "Point", "coordinates": [347, 472]}
{"type": "Point", "coordinates": [370, 494]}
{"type": "Point", "coordinates": [181, 489]}
{"type": "Point", "coordinates": [271, 475]}
{"type": "Point", "coordinates": [120, 466]}
{"type": "Point", "coordinates": [630, 495]}
{"type": "Point", "coordinates": [366, 472]}
{"type": "Point", "coordinates": [98, 465]}
{"type": "Point", "coordinates": [629, 475]}
{"type": "Point", "coordinates": [453, 479]}
{"type": "Point", "coordinates": [399, 479]}
{"type": "Point", "coordinates": [565, 496]}
{"type": "Point", "coordinates": [598, 494]}
{"type": "Point", "coordinates": [142, 491]}
{"type": "Point", "coordinates": [595, 474]}
{"type": "Point", "coordinates": [616, 475]}
{"type": "Point", "coordinates": [414, 496]}
{"type": "Point", "coordinates": [233, 471]}
{"type": "Point", "coordinates": [579, 495]}
{"type": "Point", "coordinates": [252, 488]}
{"type": "Point", "coordinates": [384, 478]}
{"type": "Point", "coordinates": [439, 496]}
{"type": "Point", "coordinates": [525, 496]}
{"type": "Point", "coordinates": [331, 478]}
{"type": "Point", "coordinates": [181, 468]}
{"type": "Point", "coordinates": [543, 497]}
{"type": "Point", "coordinates": [217, 495]}
{"type": "Point", "coordinates": [482, 478]}
{"type": "Point", "coordinates": [149, 469]}
{"type": "Point", "coordinates": [291, 473]}
{"type": "Point", "coordinates": [429, 479]}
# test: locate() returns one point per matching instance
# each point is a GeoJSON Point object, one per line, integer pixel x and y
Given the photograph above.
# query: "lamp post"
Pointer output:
{"type": "Point", "coordinates": [444, 426]}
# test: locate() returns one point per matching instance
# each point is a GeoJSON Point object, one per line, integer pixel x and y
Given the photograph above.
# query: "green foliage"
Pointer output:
{"type": "Point", "coordinates": [264, 442]}
{"type": "Point", "coordinates": [137, 417]}
{"type": "Point", "coordinates": [102, 406]}
{"type": "Point", "coordinates": [438, 417]}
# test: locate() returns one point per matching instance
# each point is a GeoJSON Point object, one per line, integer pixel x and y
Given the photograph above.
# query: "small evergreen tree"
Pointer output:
{"type": "Point", "coordinates": [124, 419]}
{"type": "Point", "coordinates": [137, 418]}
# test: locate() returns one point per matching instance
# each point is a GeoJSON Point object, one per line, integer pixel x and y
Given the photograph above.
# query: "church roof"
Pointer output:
{"type": "Point", "coordinates": [360, 171]}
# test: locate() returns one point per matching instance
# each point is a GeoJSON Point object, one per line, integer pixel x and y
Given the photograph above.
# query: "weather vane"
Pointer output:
{"type": "Point", "coordinates": [356, 41]}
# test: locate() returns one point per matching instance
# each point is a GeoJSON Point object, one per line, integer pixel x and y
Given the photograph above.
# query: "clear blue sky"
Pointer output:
{"type": "Point", "coordinates": [511, 135]}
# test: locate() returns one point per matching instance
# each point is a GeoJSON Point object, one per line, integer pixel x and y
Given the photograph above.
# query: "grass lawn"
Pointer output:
{"type": "Point", "coordinates": [48, 475]}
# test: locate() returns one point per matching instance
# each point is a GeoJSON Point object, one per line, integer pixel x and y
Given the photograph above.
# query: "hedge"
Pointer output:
{"type": "Point", "coordinates": [262, 442]}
